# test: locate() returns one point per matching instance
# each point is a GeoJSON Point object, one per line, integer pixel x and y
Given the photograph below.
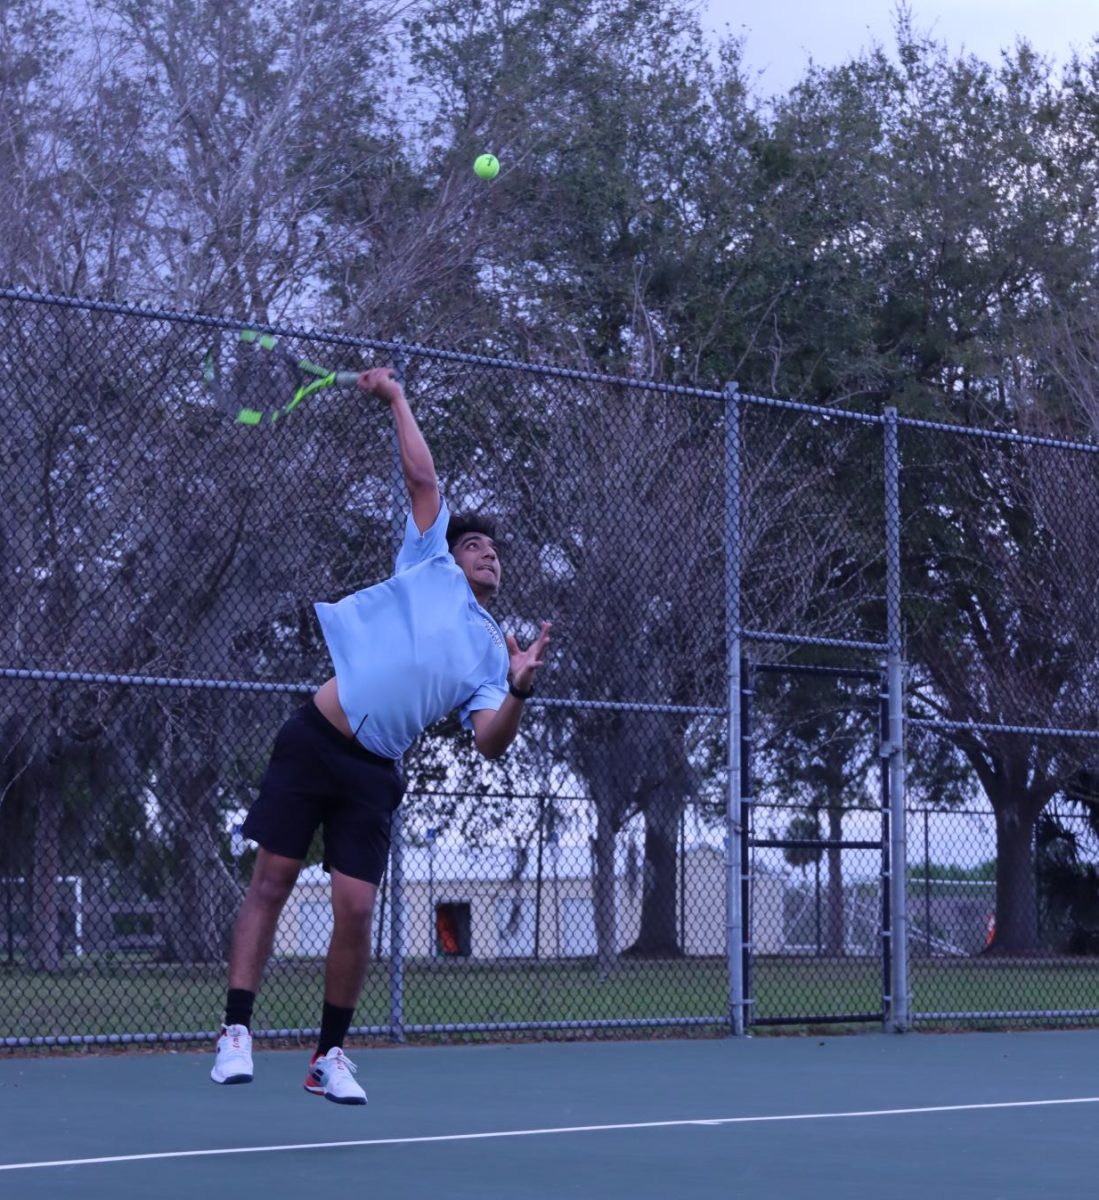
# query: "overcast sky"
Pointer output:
{"type": "Point", "coordinates": [782, 35]}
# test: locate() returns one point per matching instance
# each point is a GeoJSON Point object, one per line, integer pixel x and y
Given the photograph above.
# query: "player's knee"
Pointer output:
{"type": "Point", "coordinates": [355, 913]}
{"type": "Point", "coordinates": [356, 908]}
{"type": "Point", "coordinates": [352, 900]}
{"type": "Point", "coordinates": [271, 889]}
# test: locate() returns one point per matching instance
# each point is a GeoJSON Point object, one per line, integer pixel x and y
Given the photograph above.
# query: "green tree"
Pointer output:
{"type": "Point", "coordinates": [925, 216]}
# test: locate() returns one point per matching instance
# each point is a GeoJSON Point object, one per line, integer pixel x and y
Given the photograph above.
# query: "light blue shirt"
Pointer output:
{"type": "Point", "coordinates": [412, 648]}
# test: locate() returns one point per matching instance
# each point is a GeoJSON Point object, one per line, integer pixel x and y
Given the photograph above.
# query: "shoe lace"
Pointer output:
{"type": "Point", "coordinates": [341, 1062]}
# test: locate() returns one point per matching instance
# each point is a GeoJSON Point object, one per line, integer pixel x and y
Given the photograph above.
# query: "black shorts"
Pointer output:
{"type": "Point", "coordinates": [319, 777]}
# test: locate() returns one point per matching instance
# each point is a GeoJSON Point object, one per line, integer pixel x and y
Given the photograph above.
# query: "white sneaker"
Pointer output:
{"type": "Point", "coordinates": [234, 1056]}
{"type": "Point", "coordinates": [333, 1077]}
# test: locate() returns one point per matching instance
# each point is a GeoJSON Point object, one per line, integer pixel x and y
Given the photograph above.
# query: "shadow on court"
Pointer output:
{"type": "Point", "coordinates": [994, 1116]}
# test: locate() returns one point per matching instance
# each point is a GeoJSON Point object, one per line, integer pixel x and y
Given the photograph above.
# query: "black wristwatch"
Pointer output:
{"type": "Point", "coordinates": [518, 694]}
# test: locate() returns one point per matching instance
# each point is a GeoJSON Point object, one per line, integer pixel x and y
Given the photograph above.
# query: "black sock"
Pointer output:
{"type": "Point", "coordinates": [238, 1007]}
{"type": "Point", "coordinates": [335, 1022]}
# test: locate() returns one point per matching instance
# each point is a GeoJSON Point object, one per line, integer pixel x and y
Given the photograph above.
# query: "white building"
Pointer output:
{"type": "Point", "coordinates": [466, 902]}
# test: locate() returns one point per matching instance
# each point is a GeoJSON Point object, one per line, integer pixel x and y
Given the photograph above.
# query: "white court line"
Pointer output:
{"type": "Point", "coordinates": [516, 1133]}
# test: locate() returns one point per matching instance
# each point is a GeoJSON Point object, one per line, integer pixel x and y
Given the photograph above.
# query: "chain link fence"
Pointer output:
{"type": "Point", "coordinates": [702, 823]}
{"type": "Point", "coordinates": [1003, 708]}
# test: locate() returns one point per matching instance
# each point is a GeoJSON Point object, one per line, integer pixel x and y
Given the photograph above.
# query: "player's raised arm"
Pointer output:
{"type": "Point", "coordinates": [417, 465]}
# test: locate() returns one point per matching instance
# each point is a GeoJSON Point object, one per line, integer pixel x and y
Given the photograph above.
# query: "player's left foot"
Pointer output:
{"type": "Point", "coordinates": [233, 1061]}
{"type": "Point", "coordinates": [333, 1076]}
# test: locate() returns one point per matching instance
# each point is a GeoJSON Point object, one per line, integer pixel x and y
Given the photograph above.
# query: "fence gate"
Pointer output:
{"type": "Point", "coordinates": [815, 890]}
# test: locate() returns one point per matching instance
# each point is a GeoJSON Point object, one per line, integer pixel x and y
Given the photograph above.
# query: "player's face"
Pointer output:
{"type": "Point", "coordinates": [476, 554]}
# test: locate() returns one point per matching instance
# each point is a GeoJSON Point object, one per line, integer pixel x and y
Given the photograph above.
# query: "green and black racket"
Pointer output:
{"type": "Point", "coordinates": [257, 380]}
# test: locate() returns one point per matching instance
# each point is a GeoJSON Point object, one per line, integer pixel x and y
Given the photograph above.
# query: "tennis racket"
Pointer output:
{"type": "Point", "coordinates": [256, 380]}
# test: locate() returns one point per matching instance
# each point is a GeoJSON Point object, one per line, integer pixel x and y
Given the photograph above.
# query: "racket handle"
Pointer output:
{"type": "Point", "coordinates": [347, 378]}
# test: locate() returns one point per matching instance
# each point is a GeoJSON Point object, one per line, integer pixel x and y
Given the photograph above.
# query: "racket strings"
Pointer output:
{"type": "Point", "coordinates": [256, 380]}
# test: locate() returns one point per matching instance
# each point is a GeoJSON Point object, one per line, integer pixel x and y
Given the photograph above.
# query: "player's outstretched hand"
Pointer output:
{"type": "Point", "coordinates": [381, 382]}
{"type": "Point", "coordinates": [525, 662]}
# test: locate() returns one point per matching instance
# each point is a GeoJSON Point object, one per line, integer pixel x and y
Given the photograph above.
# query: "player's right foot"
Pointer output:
{"type": "Point", "coordinates": [333, 1077]}
{"type": "Point", "coordinates": [233, 1063]}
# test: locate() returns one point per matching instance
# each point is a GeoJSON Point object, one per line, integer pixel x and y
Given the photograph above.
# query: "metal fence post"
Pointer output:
{"type": "Point", "coordinates": [396, 929]}
{"type": "Point", "coordinates": [396, 847]}
{"type": "Point", "coordinates": [897, 1017]}
{"type": "Point", "coordinates": [734, 866]}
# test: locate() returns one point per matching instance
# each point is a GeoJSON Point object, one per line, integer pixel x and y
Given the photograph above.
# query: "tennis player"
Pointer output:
{"type": "Point", "coordinates": [406, 652]}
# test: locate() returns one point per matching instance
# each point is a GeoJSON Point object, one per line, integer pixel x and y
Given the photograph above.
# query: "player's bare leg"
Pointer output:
{"type": "Point", "coordinates": [349, 950]}
{"type": "Point", "coordinates": [253, 939]}
{"type": "Point", "coordinates": [272, 881]}
{"type": "Point", "coordinates": [331, 1072]}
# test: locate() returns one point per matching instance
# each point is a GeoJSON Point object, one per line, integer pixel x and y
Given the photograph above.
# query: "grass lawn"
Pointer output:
{"type": "Point", "coordinates": [126, 997]}
{"type": "Point", "coordinates": [1005, 985]}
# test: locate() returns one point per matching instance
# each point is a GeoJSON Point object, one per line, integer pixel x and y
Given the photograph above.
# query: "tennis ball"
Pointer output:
{"type": "Point", "coordinates": [486, 166]}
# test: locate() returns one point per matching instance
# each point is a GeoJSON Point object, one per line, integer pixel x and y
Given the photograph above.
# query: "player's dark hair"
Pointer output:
{"type": "Point", "coordinates": [461, 523]}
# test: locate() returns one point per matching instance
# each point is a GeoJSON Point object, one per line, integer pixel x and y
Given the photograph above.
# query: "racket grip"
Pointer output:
{"type": "Point", "coordinates": [347, 378]}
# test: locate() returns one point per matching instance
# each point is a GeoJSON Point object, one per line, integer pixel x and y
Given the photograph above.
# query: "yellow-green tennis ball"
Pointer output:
{"type": "Point", "coordinates": [486, 166]}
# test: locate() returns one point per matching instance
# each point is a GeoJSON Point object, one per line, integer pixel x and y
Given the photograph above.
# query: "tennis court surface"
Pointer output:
{"type": "Point", "coordinates": [998, 1116]}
